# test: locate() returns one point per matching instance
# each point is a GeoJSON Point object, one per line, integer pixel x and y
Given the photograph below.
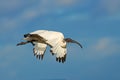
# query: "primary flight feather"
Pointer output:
{"type": "Point", "coordinates": [43, 38]}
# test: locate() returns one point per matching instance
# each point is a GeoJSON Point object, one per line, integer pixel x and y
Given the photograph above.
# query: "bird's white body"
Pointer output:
{"type": "Point", "coordinates": [52, 37]}
{"type": "Point", "coordinates": [43, 38]}
{"type": "Point", "coordinates": [55, 39]}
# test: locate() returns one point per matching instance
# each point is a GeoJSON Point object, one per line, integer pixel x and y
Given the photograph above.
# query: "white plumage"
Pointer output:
{"type": "Point", "coordinates": [43, 38]}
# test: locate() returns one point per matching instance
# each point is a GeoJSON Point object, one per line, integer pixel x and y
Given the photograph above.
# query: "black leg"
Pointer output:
{"type": "Point", "coordinates": [22, 43]}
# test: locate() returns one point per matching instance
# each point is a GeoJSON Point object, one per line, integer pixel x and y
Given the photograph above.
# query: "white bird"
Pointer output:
{"type": "Point", "coordinates": [43, 38]}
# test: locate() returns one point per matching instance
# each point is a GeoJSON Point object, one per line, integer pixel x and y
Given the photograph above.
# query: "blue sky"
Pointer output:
{"type": "Point", "coordinates": [94, 23]}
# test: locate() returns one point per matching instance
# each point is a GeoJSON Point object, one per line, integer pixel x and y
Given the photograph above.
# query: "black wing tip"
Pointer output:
{"type": "Point", "coordinates": [52, 52]}
{"type": "Point", "coordinates": [61, 59]}
{"type": "Point", "coordinates": [40, 57]}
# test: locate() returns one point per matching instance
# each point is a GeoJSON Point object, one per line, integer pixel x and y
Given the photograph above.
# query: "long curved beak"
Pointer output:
{"type": "Point", "coordinates": [73, 41]}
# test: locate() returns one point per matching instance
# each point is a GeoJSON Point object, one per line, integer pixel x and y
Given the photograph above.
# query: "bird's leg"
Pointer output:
{"type": "Point", "coordinates": [23, 43]}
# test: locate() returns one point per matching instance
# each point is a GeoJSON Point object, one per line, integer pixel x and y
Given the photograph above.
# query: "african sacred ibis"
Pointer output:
{"type": "Point", "coordinates": [43, 38]}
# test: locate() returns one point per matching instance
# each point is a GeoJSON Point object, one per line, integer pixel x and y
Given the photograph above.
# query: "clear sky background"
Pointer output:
{"type": "Point", "coordinates": [94, 23]}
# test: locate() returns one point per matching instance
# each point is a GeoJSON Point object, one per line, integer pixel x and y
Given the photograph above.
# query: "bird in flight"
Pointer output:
{"type": "Point", "coordinates": [40, 39]}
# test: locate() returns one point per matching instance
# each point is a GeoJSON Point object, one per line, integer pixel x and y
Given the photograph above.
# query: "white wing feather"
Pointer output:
{"type": "Point", "coordinates": [39, 50]}
{"type": "Point", "coordinates": [60, 50]}
{"type": "Point", "coordinates": [55, 40]}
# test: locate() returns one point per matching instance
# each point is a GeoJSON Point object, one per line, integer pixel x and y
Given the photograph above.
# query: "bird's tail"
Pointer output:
{"type": "Point", "coordinates": [69, 40]}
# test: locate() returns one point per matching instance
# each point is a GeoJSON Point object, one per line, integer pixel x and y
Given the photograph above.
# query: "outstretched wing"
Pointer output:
{"type": "Point", "coordinates": [39, 50]}
{"type": "Point", "coordinates": [60, 51]}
